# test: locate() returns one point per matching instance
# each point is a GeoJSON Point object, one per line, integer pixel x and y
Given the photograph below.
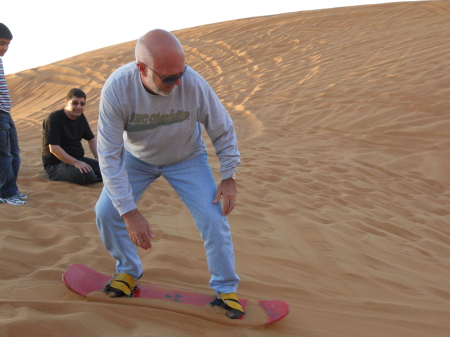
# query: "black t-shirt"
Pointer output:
{"type": "Point", "coordinates": [58, 129]}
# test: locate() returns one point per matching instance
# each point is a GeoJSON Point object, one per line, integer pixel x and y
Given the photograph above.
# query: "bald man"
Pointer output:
{"type": "Point", "coordinates": [150, 125]}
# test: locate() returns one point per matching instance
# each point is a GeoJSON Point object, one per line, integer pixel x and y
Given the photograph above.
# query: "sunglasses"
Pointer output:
{"type": "Point", "coordinates": [76, 103]}
{"type": "Point", "coordinates": [169, 79]}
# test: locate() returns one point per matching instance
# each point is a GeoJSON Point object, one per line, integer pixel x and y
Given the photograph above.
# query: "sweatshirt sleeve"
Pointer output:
{"type": "Point", "coordinates": [220, 129]}
{"type": "Point", "coordinates": [111, 151]}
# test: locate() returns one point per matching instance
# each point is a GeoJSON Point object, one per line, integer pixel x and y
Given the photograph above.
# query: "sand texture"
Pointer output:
{"type": "Point", "coordinates": [343, 120]}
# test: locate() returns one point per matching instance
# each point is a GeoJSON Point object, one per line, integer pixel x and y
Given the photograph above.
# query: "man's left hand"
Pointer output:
{"type": "Point", "coordinates": [227, 189]}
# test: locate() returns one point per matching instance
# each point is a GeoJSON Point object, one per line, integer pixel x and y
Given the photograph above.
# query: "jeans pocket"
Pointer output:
{"type": "Point", "coordinates": [5, 143]}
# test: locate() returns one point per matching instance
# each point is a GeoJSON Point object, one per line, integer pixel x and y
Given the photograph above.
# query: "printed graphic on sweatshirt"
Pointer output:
{"type": "Point", "coordinates": [140, 122]}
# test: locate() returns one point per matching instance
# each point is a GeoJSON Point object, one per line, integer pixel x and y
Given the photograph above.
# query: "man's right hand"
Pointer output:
{"type": "Point", "coordinates": [83, 167]}
{"type": "Point", "coordinates": [138, 229]}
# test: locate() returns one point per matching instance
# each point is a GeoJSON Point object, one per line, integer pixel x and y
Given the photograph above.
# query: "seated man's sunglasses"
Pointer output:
{"type": "Point", "coordinates": [77, 103]}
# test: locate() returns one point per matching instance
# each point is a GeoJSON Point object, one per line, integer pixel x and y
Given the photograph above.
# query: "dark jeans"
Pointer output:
{"type": "Point", "coordinates": [69, 173]}
{"type": "Point", "coordinates": [9, 156]}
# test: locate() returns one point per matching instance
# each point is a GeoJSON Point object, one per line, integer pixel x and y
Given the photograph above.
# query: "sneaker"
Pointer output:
{"type": "Point", "coordinates": [13, 201]}
{"type": "Point", "coordinates": [21, 195]}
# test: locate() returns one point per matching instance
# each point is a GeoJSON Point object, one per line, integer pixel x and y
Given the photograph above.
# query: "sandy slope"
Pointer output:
{"type": "Point", "coordinates": [343, 121]}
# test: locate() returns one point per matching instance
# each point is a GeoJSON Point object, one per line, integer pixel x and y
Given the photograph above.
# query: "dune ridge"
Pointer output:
{"type": "Point", "coordinates": [343, 211]}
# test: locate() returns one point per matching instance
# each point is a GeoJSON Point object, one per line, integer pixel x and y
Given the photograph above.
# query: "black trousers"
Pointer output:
{"type": "Point", "coordinates": [69, 173]}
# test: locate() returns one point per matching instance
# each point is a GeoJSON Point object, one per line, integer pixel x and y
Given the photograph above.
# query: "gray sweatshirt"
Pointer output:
{"type": "Point", "coordinates": [159, 130]}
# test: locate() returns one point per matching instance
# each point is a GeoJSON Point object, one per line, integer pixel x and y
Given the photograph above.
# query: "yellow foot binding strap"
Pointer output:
{"type": "Point", "coordinates": [229, 302]}
{"type": "Point", "coordinates": [121, 284]}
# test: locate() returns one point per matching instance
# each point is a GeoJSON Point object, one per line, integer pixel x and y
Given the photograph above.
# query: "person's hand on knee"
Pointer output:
{"type": "Point", "coordinates": [83, 167]}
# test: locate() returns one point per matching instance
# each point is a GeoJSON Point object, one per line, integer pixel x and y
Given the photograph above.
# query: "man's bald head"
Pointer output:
{"type": "Point", "coordinates": [158, 46]}
{"type": "Point", "coordinates": [160, 55]}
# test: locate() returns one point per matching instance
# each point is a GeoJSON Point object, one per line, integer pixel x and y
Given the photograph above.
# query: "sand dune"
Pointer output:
{"type": "Point", "coordinates": [343, 124]}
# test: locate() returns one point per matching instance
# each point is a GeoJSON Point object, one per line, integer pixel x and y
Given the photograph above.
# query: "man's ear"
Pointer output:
{"type": "Point", "coordinates": [141, 67]}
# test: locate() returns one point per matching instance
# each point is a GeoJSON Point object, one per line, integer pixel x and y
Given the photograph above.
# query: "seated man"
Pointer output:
{"type": "Point", "coordinates": [62, 151]}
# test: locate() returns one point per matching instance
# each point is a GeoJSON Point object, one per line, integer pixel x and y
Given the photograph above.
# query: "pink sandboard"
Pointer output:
{"type": "Point", "coordinates": [87, 282]}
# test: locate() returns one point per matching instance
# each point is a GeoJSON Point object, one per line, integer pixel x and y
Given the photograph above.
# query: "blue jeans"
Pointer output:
{"type": "Point", "coordinates": [9, 156]}
{"type": "Point", "coordinates": [69, 173]}
{"type": "Point", "coordinates": [194, 182]}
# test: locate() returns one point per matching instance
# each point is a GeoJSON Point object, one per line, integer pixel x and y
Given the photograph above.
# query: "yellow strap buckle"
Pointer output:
{"type": "Point", "coordinates": [232, 301]}
{"type": "Point", "coordinates": [123, 282]}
